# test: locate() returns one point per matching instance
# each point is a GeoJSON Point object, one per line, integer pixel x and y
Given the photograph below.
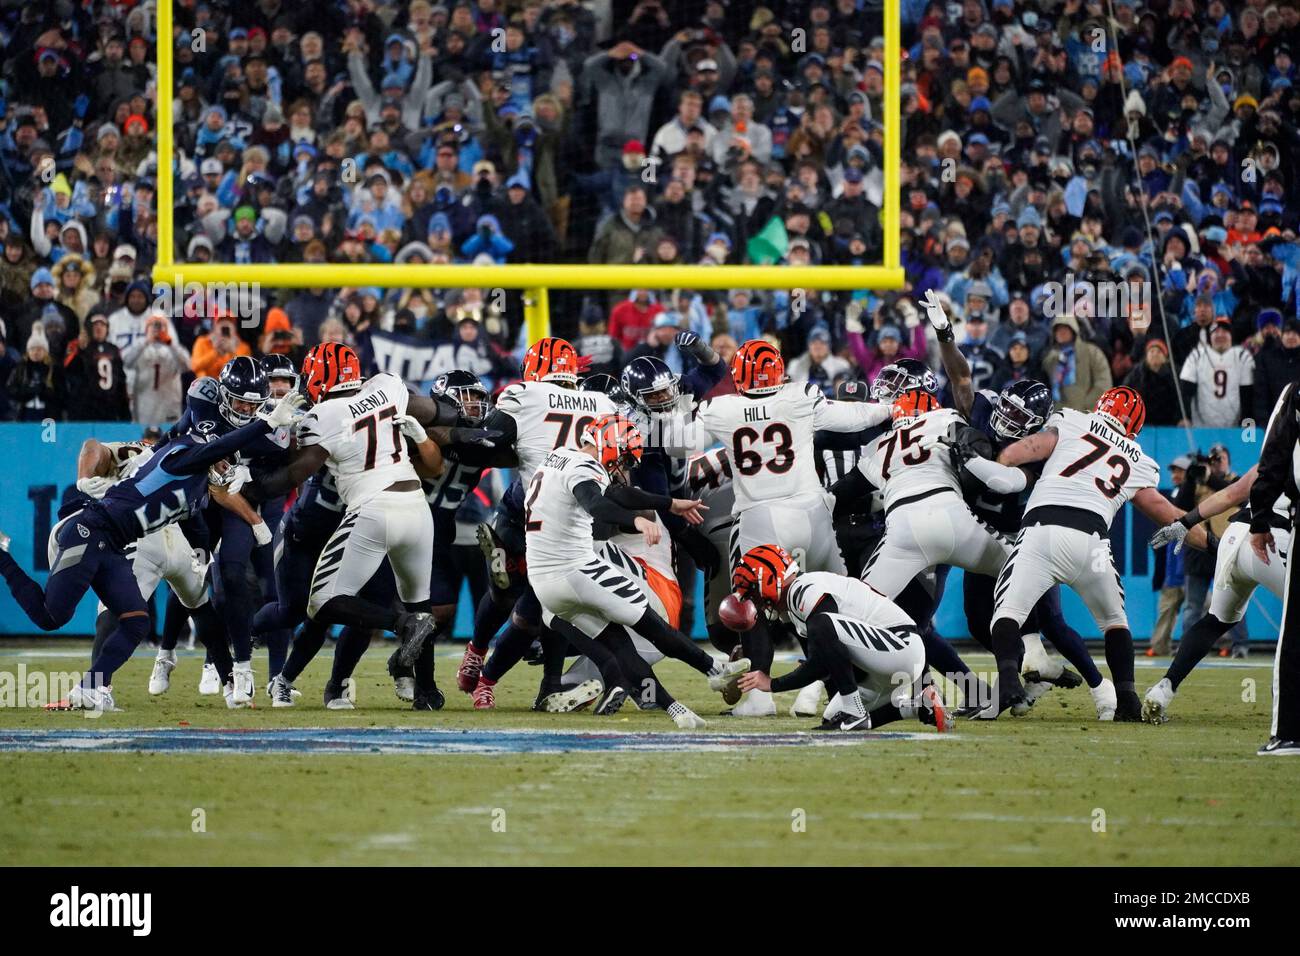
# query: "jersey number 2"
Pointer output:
{"type": "Point", "coordinates": [534, 489]}
{"type": "Point", "coordinates": [371, 426]}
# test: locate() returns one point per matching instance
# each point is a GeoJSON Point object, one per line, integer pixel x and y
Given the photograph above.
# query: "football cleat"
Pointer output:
{"type": "Point", "coordinates": [728, 674]}
{"type": "Point", "coordinates": [403, 679]}
{"type": "Point", "coordinates": [280, 692]}
{"type": "Point", "coordinates": [495, 555]}
{"type": "Point", "coordinates": [209, 682]}
{"type": "Point", "coordinates": [413, 629]}
{"type": "Point", "coordinates": [1128, 707]}
{"type": "Point", "coordinates": [430, 701]}
{"type": "Point", "coordinates": [687, 719]}
{"type": "Point", "coordinates": [161, 677]}
{"type": "Point", "coordinates": [571, 698]}
{"type": "Point", "coordinates": [340, 696]}
{"type": "Point", "coordinates": [731, 693]}
{"type": "Point", "coordinates": [1035, 689]}
{"type": "Point", "coordinates": [485, 697]}
{"type": "Point", "coordinates": [1015, 700]}
{"type": "Point", "coordinates": [1041, 667]}
{"type": "Point", "coordinates": [808, 702]}
{"type": "Point", "coordinates": [1103, 696]}
{"type": "Point", "coordinates": [98, 699]}
{"type": "Point", "coordinates": [611, 702]}
{"type": "Point", "coordinates": [470, 667]}
{"type": "Point", "coordinates": [1155, 706]}
{"type": "Point", "coordinates": [932, 711]}
{"type": "Point", "coordinates": [1277, 747]}
{"type": "Point", "coordinates": [1240, 652]}
{"type": "Point", "coordinates": [845, 722]}
{"type": "Point", "coordinates": [756, 703]}
{"type": "Point", "coordinates": [243, 681]}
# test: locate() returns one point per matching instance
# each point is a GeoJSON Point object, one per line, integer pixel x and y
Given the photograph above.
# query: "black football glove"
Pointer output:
{"type": "Point", "coordinates": [691, 343]}
{"type": "Point", "coordinates": [485, 437]}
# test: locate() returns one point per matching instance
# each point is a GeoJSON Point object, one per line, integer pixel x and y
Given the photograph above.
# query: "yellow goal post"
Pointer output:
{"type": "Point", "coordinates": [534, 278]}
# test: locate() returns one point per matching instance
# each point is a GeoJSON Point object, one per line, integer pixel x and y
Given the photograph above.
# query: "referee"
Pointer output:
{"type": "Point", "coordinates": [1279, 473]}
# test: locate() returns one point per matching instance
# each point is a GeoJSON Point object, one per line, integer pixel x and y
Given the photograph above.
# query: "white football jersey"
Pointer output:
{"type": "Point", "coordinates": [1218, 377]}
{"type": "Point", "coordinates": [853, 599]}
{"type": "Point", "coordinates": [896, 464]}
{"type": "Point", "coordinates": [769, 438]}
{"type": "Point", "coordinates": [658, 557]}
{"type": "Point", "coordinates": [557, 528]}
{"type": "Point", "coordinates": [367, 451]}
{"type": "Point", "coordinates": [1093, 467]}
{"type": "Point", "coordinates": [548, 416]}
{"type": "Point", "coordinates": [128, 456]}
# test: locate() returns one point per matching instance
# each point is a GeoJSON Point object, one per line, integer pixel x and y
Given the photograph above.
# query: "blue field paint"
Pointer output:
{"type": "Point", "coordinates": [400, 740]}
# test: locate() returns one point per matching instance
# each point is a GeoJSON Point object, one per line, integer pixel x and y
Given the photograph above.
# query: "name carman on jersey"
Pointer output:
{"type": "Point", "coordinates": [574, 402]}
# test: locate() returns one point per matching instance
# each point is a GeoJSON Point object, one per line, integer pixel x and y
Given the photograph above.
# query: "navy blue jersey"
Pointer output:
{"type": "Point", "coordinates": [171, 486]}
{"type": "Point", "coordinates": [1001, 512]}
{"type": "Point", "coordinates": [316, 512]}
{"type": "Point", "coordinates": [447, 493]}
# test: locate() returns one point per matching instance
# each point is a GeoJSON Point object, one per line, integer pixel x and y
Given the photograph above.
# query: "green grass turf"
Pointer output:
{"type": "Point", "coordinates": [1022, 791]}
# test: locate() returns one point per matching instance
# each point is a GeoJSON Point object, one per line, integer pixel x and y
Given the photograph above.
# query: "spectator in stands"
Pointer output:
{"type": "Point", "coordinates": [219, 346]}
{"type": "Point", "coordinates": [36, 385]}
{"type": "Point", "coordinates": [632, 318]}
{"type": "Point", "coordinates": [1076, 370]}
{"type": "Point", "coordinates": [1218, 380]}
{"type": "Point", "coordinates": [96, 375]}
{"type": "Point", "coordinates": [1275, 367]}
{"type": "Point", "coordinates": [9, 359]}
{"type": "Point", "coordinates": [818, 364]}
{"type": "Point", "coordinates": [1154, 381]}
{"type": "Point", "coordinates": [157, 365]}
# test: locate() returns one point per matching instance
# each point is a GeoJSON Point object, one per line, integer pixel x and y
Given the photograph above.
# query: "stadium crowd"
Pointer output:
{"type": "Point", "coordinates": [1037, 155]}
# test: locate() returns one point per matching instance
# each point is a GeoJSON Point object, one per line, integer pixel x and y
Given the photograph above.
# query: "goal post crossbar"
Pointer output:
{"type": "Point", "coordinates": [532, 277]}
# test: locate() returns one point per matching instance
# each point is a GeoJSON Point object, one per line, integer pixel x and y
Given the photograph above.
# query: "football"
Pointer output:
{"type": "Point", "coordinates": [739, 614]}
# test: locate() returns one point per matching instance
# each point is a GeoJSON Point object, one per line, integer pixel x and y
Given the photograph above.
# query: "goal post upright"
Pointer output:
{"type": "Point", "coordinates": [533, 278]}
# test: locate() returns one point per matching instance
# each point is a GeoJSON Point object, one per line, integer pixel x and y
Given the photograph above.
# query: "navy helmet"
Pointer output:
{"type": "Point", "coordinates": [900, 376]}
{"type": "Point", "coordinates": [650, 384]}
{"type": "Point", "coordinates": [464, 390]}
{"type": "Point", "coordinates": [605, 384]}
{"type": "Point", "coordinates": [243, 381]}
{"type": "Point", "coordinates": [276, 365]}
{"type": "Point", "coordinates": [1021, 409]}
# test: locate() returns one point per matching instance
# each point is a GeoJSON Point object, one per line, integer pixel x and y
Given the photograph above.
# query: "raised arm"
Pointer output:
{"type": "Point", "coordinates": [955, 366]}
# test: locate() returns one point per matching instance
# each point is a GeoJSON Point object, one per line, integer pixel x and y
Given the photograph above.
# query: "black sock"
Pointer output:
{"type": "Point", "coordinates": [554, 648]}
{"type": "Point", "coordinates": [306, 645]}
{"type": "Point", "coordinates": [672, 643]}
{"type": "Point", "coordinates": [644, 685]}
{"type": "Point", "coordinates": [757, 642]}
{"type": "Point", "coordinates": [885, 715]}
{"type": "Point", "coordinates": [176, 617]}
{"type": "Point", "coordinates": [1119, 658]}
{"type": "Point", "coordinates": [1196, 643]}
{"type": "Point", "coordinates": [493, 610]}
{"type": "Point", "coordinates": [353, 642]}
{"type": "Point", "coordinates": [1009, 649]}
{"type": "Point", "coordinates": [424, 682]}
{"type": "Point", "coordinates": [357, 612]}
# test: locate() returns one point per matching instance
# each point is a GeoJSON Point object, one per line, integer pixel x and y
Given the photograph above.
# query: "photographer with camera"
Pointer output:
{"type": "Point", "coordinates": [157, 363]}
{"type": "Point", "coordinates": [1206, 474]}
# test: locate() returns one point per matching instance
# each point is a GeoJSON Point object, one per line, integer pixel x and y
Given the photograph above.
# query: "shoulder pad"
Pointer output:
{"type": "Point", "coordinates": [205, 388]}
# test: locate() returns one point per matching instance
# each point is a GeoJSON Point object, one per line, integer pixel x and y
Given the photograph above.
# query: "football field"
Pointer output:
{"type": "Point", "coordinates": [180, 779]}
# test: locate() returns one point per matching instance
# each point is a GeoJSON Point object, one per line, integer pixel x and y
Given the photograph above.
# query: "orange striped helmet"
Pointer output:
{"type": "Point", "coordinates": [764, 572]}
{"type": "Point", "coordinates": [550, 360]}
{"type": "Point", "coordinates": [618, 442]}
{"type": "Point", "coordinates": [757, 368]}
{"type": "Point", "coordinates": [911, 405]}
{"type": "Point", "coordinates": [1123, 407]}
{"type": "Point", "coordinates": [330, 367]}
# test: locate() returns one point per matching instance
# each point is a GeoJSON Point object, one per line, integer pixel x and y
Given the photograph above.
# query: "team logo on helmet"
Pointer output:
{"type": "Point", "coordinates": [243, 389]}
{"type": "Point", "coordinates": [618, 442]}
{"type": "Point", "coordinates": [911, 405]}
{"type": "Point", "coordinates": [757, 368]}
{"type": "Point", "coordinates": [1124, 409]}
{"type": "Point", "coordinates": [330, 367]}
{"type": "Point", "coordinates": [1021, 409]}
{"type": "Point", "coordinates": [763, 572]}
{"type": "Point", "coordinates": [464, 390]}
{"type": "Point", "coordinates": [896, 378]}
{"type": "Point", "coordinates": [550, 360]}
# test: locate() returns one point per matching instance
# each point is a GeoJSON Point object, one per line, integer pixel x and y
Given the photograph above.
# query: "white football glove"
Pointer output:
{"type": "Point", "coordinates": [412, 429]}
{"type": "Point", "coordinates": [853, 317]}
{"type": "Point", "coordinates": [95, 486]}
{"type": "Point", "coordinates": [261, 533]}
{"type": "Point", "coordinates": [1175, 533]}
{"type": "Point", "coordinates": [236, 478]}
{"type": "Point", "coordinates": [286, 411]}
{"type": "Point", "coordinates": [934, 311]}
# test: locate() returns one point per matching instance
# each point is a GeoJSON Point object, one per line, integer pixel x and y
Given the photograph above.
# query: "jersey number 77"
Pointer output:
{"type": "Point", "coordinates": [370, 424]}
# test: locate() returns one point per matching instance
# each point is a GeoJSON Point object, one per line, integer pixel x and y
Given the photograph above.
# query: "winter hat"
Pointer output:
{"type": "Point", "coordinates": [37, 338]}
{"type": "Point", "coordinates": [42, 276]}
